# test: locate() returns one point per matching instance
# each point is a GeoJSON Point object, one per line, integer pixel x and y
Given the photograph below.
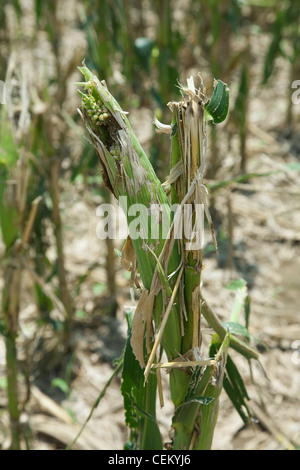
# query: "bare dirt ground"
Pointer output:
{"type": "Point", "coordinates": [264, 249]}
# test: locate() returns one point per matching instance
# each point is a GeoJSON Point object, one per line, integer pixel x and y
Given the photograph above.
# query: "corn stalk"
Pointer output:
{"type": "Point", "coordinates": [168, 316]}
{"type": "Point", "coordinates": [16, 226]}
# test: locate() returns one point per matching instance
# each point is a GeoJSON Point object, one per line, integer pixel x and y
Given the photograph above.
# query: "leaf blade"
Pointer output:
{"type": "Point", "coordinates": [217, 107]}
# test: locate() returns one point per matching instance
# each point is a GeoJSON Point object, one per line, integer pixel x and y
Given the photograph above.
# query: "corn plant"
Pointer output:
{"type": "Point", "coordinates": [165, 330]}
{"type": "Point", "coordinates": [18, 210]}
{"type": "Point", "coordinates": [11, 294]}
{"type": "Point", "coordinates": [225, 38]}
{"type": "Point", "coordinates": [28, 182]}
{"type": "Point", "coordinates": [284, 42]}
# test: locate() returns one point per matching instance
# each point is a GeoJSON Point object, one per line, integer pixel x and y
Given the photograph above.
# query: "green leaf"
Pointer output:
{"type": "Point", "coordinates": [161, 273]}
{"type": "Point", "coordinates": [238, 284]}
{"type": "Point", "coordinates": [240, 106]}
{"type": "Point", "coordinates": [8, 214]}
{"type": "Point", "coordinates": [174, 129]}
{"type": "Point", "coordinates": [143, 47]}
{"type": "Point", "coordinates": [275, 46]}
{"type": "Point", "coordinates": [240, 288]}
{"type": "Point", "coordinates": [236, 390]}
{"type": "Point", "coordinates": [3, 383]}
{"type": "Point", "coordinates": [217, 107]}
{"type": "Point", "coordinates": [238, 329]}
{"type": "Point", "coordinates": [80, 314]}
{"type": "Point", "coordinates": [141, 411]}
{"type": "Point", "coordinates": [199, 400]}
{"type": "Point", "coordinates": [99, 288]}
{"type": "Point", "coordinates": [247, 310]}
{"type": "Point", "coordinates": [293, 166]}
{"type": "Point", "coordinates": [261, 3]}
{"type": "Point", "coordinates": [240, 179]}
{"type": "Point", "coordinates": [8, 158]}
{"type": "Point", "coordinates": [139, 400]}
{"type": "Point", "coordinates": [61, 384]}
{"type": "Point", "coordinates": [234, 385]}
{"type": "Point", "coordinates": [118, 253]}
{"type": "Point", "coordinates": [8, 149]}
{"type": "Point", "coordinates": [238, 305]}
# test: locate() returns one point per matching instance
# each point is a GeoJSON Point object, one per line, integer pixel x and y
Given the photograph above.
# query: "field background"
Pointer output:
{"type": "Point", "coordinates": [72, 292]}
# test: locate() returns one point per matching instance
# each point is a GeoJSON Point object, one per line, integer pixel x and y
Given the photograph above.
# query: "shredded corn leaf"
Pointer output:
{"type": "Point", "coordinates": [135, 397]}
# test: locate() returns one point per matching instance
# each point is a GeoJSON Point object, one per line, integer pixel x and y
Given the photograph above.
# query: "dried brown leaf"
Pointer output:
{"type": "Point", "coordinates": [128, 255]}
{"type": "Point", "coordinates": [141, 320]}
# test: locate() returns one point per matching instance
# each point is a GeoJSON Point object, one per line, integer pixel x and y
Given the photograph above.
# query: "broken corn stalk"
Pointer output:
{"type": "Point", "coordinates": [168, 316]}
